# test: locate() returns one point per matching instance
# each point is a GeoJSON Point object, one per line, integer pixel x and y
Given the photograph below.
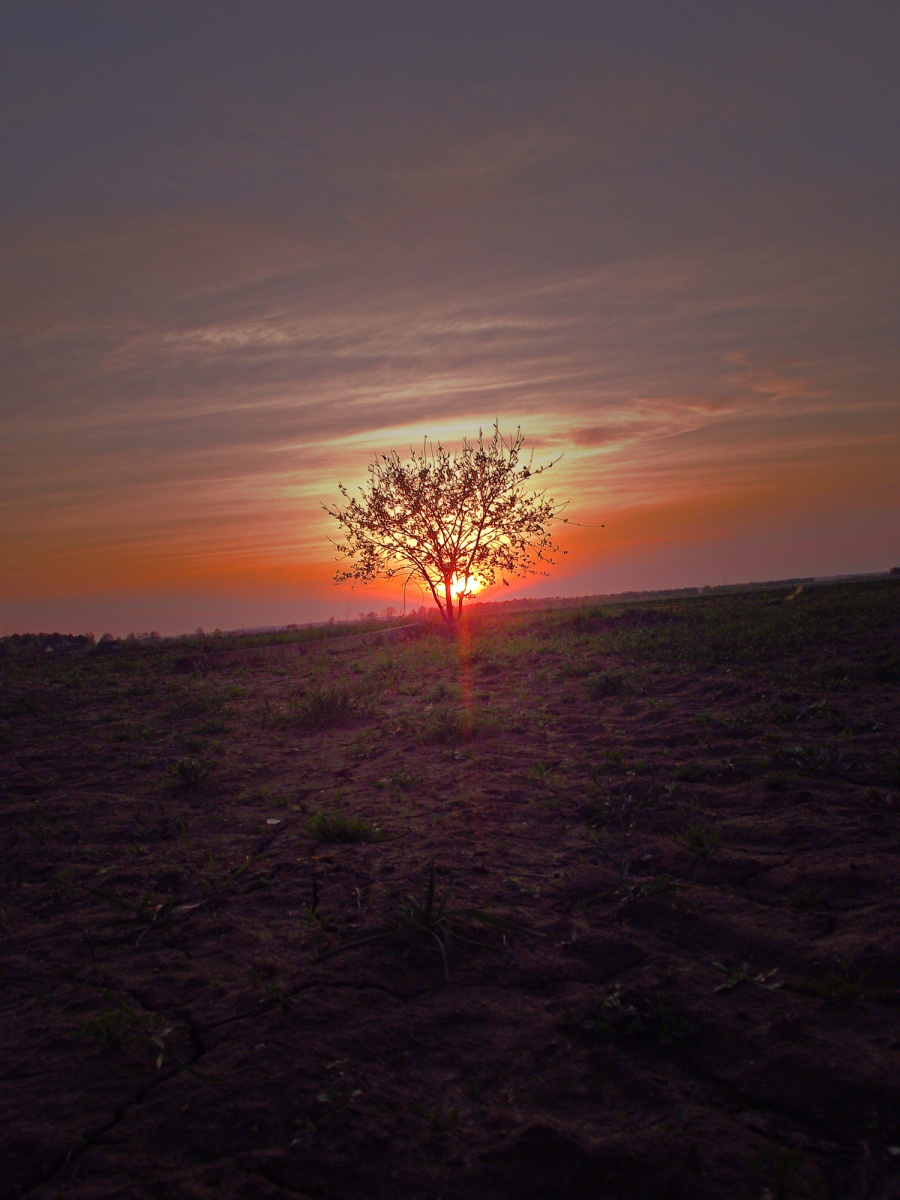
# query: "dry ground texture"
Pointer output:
{"type": "Point", "coordinates": [595, 904]}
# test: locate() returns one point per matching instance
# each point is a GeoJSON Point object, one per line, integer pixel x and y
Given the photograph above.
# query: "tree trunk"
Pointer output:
{"type": "Point", "coordinates": [449, 613]}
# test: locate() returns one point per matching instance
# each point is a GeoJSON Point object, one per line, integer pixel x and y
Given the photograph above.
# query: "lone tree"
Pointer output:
{"type": "Point", "coordinates": [454, 522]}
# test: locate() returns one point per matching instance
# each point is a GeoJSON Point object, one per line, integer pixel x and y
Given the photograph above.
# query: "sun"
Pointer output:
{"type": "Point", "coordinates": [465, 585]}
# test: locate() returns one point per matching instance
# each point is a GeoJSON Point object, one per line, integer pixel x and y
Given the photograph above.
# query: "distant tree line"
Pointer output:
{"type": "Point", "coordinates": [33, 644]}
{"type": "Point", "coordinates": [526, 603]}
{"type": "Point", "coordinates": [27, 644]}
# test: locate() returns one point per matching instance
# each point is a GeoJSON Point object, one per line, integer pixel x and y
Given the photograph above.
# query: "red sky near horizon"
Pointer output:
{"type": "Point", "coordinates": [246, 248]}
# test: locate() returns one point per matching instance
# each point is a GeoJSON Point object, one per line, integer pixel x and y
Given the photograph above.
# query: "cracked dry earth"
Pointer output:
{"type": "Point", "coordinates": [688, 810]}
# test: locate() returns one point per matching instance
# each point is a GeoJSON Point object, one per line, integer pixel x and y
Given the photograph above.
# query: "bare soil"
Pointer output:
{"type": "Point", "coordinates": [672, 830]}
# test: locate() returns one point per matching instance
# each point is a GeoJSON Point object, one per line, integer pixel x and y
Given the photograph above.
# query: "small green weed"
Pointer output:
{"type": "Point", "coordinates": [528, 889]}
{"type": "Point", "coordinates": [737, 975]}
{"type": "Point", "coordinates": [701, 840]}
{"type": "Point", "coordinates": [611, 807]}
{"type": "Point", "coordinates": [267, 796]}
{"type": "Point", "coordinates": [431, 922]}
{"type": "Point", "coordinates": [541, 772]}
{"type": "Point", "coordinates": [340, 828]}
{"type": "Point", "coordinates": [658, 884]}
{"type": "Point", "coordinates": [144, 915]}
{"type": "Point", "coordinates": [631, 1015]}
{"type": "Point", "coordinates": [120, 1025]}
{"type": "Point", "coordinates": [39, 826]}
{"type": "Point", "coordinates": [631, 887]}
{"type": "Point", "coordinates": [214, 725]}
{"type": "Point", "coordinates": [192, 772]}
{"type": "Point", "coordinates": [827, 761]}
{"type": "Point", "coordinates": [442, 690]}
{"type": "Point", "coordinates": [402, 781]}
{"type": "Point", "coordinates": [110, 1028]}
{"type": "Point", "coordinates": [62, 886]}
{"type": "Point", "coordinates": [784, 712]}
{"type": "Point", "coordinates": [327, 705]}
{"type": "Point", "coordinates": [446, 723]}
{"type": "Point", "coordinates": [614, 759]}
{"type": "Point", "coordinates": [210, 878]}
{"type": "Point", "coordinates": [841, 985]}
{"type": "Point", "coordinates": [362, 747]}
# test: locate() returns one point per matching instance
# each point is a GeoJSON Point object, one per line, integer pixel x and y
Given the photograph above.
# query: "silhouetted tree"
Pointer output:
{"type": "Point", "coordinates": [451, 521]}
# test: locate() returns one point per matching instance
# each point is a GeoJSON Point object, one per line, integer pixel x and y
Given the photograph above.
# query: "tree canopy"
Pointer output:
{"type": "Point", "coordinates": [452, 521]}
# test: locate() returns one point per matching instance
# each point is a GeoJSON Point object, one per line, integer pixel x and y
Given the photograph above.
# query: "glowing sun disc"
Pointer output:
{"type": "Point", "coordinates": [465, 586]}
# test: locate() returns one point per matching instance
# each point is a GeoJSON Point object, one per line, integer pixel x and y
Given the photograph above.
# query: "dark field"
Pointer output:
{"type": "Point", "coordinates": [595, 905]}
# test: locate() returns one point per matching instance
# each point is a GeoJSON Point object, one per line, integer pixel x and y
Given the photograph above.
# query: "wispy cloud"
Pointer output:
{"type": "Point", "coordinates": [683, 281]}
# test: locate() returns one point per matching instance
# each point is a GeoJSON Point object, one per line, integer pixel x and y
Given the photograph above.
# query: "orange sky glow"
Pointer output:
{"type": "Point", "coordinates": [242, 255]}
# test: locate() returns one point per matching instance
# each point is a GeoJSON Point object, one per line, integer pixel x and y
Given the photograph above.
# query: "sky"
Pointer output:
{"type": "Point", "coordinates": [247, 247]}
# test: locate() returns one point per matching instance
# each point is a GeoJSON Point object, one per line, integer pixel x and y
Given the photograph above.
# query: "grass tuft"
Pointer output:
{"type": "Point", "coordinates": [339, 828]}
{"type": "Point", "coordinates": [322, 707]}
{"type": "Point", "coordinates": [432, 923]}
{"type": "Point", "coordinates": [192, 772]}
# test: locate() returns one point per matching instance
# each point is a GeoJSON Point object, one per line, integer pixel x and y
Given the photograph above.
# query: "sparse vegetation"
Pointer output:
{"type": "Point", "coordinates": [121, 1026]}
{"type": "Point", "coordinates": [736, 975]}
{"type": "Point", "coordinates": [339, 827]}
{"type": "Point", "coordinates": [192, 772]}
{"type": "Point", "coordinates": [678, 890]}
{"type": "Point", "coordinates": [623, 1014]}
{"type": "Point", "coordinates": [432, 923]}
{"type": "Point", "coordinates": [322, 706]}
{"type": "Point", "coordinates": [702, 840]}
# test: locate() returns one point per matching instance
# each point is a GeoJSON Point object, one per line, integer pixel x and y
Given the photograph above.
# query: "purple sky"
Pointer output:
{"type": "Point", "coordinates": [244, 248]}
